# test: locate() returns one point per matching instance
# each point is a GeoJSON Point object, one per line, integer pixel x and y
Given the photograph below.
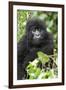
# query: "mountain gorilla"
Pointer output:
{"type": "Point", "coordinates": [36, 39]}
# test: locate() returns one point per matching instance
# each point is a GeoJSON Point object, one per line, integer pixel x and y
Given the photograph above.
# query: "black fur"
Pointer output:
{"type": "Point", "coordinates": [27, 47]}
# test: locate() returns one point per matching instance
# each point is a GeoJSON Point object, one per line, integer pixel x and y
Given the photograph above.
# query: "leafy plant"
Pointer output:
{"type": "Point", "coordinates": [36, 72]}
{"type": "Point", "coordinates": [43, 57]}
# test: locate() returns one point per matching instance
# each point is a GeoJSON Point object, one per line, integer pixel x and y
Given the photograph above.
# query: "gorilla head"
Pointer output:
{"type": "Point", "coordinates": [36, 31]}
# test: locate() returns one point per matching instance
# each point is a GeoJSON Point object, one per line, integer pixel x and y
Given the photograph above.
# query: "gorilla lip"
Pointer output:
{"type": "Point", "coordinates": [36, 36]}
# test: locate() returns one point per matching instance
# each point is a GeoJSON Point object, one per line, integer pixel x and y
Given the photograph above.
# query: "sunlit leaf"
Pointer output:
{"type": "Point", "coordinates": [43, 57]}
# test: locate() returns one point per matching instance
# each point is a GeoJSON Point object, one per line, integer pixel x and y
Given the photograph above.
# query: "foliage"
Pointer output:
{"type": "Point", "coordinates": [21, 22]}
{"type": "Point", "coordinates": [43, 57]}
{"type": "Point", "coordinates": [36, 72]}
{"type": "Point", "coordinates": [51, 21]}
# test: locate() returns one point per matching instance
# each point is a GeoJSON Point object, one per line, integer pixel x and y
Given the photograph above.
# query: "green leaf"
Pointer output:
{"type": "Point", "coordinates": [37, 72]}
{"type": "Point", "coordinates": [43, 57]}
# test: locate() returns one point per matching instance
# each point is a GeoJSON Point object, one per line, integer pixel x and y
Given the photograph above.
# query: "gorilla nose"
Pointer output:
{"type": "Point", "coordinates": [37, 33]}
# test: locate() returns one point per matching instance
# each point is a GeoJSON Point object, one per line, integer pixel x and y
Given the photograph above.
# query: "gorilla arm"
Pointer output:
{"type": "Point", "coordinates": [48, 46]}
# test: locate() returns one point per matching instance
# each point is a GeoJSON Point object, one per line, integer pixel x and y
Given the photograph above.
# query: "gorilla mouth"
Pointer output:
{"type": "Point", "coordinates": [37, 36]}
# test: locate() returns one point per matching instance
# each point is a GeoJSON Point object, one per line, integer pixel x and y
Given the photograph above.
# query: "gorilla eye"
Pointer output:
{"type": "Point", "coordinates": [34, 30]}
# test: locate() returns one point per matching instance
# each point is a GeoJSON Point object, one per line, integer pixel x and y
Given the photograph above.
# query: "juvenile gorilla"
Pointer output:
{"type": "Point", "coordinates": [36, 39]}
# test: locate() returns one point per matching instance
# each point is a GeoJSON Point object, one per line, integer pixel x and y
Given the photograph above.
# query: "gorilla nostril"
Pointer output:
{"type": "Point", "coordinates": [37, 34]}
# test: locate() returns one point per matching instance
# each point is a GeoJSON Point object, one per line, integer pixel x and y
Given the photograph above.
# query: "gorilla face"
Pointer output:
{"type": "Point", "coordinates": [36, 31]}
{"type": "Point", "coordinates": [38, 35]}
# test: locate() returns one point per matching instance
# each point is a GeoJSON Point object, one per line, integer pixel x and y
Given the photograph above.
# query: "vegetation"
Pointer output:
{"type": "Point", "coordinates": [51, 20]}
{"type": "Point", "coordinates": [35, 72]}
